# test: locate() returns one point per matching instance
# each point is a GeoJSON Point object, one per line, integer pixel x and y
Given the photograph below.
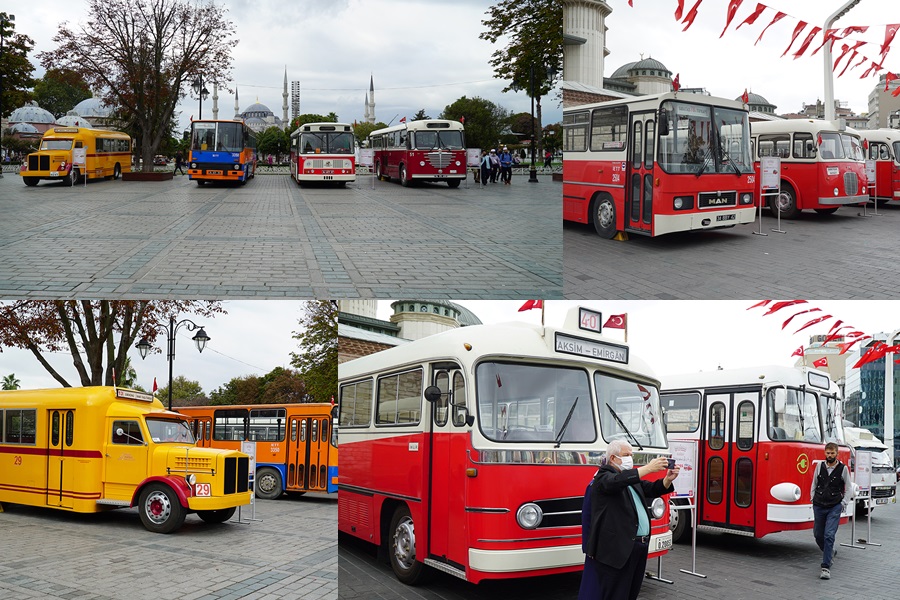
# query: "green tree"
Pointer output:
{"type": "Point", "coordinates": [128, 378]}
{"type": "Point", "coordinates": [15, 68]}
{"type": "Point", "coordinates": [11, 382]}
{"type": "Point", "coordinates": [420, 116]}
{"type": "Point", "coordinates": [317, 358]}
{"type": "Point", "coordinates": [533, 57]}
{"type": "Point", "coordinates": [59, 90]}
{"type": "Point", "coordinates": [521, 123]}
{"type": "Point", "coordinates": [484, 120]}
{"type": "Point", "coordinates": [273, 141]}
{"type": "Point", "coordinates": [362, 130]}
{"type": "Point", "coordinates": [185, 392]}
{"type": "Point", "coordinates": [312, 118]}
{"type": "Point", "coordinates": [143, 55]}
{"type": "Point", "coordinates": [283, 386]}
{"type": "Point", "coordinates": [553, 137]}
{"type": "Point", "coordinates": [224, 394]}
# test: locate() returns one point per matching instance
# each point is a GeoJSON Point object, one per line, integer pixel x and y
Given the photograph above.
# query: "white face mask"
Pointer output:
{"type": "Point", "coordinates": [627, 462]}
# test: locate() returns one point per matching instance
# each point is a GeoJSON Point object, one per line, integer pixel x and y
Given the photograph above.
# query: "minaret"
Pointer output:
{"type": "Point", "coordinates": [371, 100]}
{"type": "Point", "coordinates": [366, 113]}
{"type": "Point", "coordinates": [284, 106]}
{"type": "Point", "coordinates": [215, 101]}
{"type": "Point", "coordinates": [237, 111]}
{"type": "Point", "coordinates": [585, 21]}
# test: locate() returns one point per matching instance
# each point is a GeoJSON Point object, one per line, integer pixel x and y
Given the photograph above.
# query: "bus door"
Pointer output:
{"type": "Point", "coordinates": [639, 187]}
{"type": "Point", "coordinates": [61, 460]}
{"type": "Point", "coordinates": [126, 458]}
{"type": "Point", "coordinates": [307, 467]}
{"type": "Point", "coordinates": [729, 456]}
{"type": "Point", "coordinates": [447, 469]}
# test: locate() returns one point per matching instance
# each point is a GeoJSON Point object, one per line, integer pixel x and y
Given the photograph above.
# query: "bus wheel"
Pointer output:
{"type": "Point", "coordinates": [200, 182]}
{"type": "Point", "coordinates": [679, 523]}
{"type": "Point", "coordinates": [453, 183]}
{"type": "Point", "coordinates": [786, 200]}
{"type": "Point", "coordinates": [403, 548]}
{"type": "Point", "coordinates": [378, 174]}
{"type": "Point", "coordinates": [403, 180]}
{"type": "Point", "coordinates": [268, 483]}
{"type": "Point", "coordinates": [160, 510]}
{"type": "Point", "coordinates": [117, 171]}
{"type": "Point", "coordinates": [604, 214]}
{"type": "Point", "coordinates": [826, 211]}
{"type": "Point", "coordinates": [216, 516]}
{"type": "Point", "coordinates": [31, 181]}
{"type": "Point", "coordinates": [71, 178]}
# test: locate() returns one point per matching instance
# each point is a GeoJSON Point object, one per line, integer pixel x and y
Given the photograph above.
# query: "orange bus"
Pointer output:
{"type": "Point", "coordinates": [94, 449]}
{"type": "Point", "coordinates": [296, 445]}
{"type": "Point", "coordinates": [107, 154]}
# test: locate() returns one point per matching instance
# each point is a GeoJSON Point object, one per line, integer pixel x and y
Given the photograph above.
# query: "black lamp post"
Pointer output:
{"type": "Point", "coordinates": [4, 21]}
{"type": "Point", "coordinates": [200, 340]}
{"type": "Point", "coordinates": [532, 173]}
{"type": "Point", "coordinates": [201, 92]}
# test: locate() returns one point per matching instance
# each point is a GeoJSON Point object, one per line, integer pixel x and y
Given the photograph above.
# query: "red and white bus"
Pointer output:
{"type": "Point", "coordinates": [427, 150]}
{"type": "Point", "coordinates": [822, 165]}
{"type": "Point", "coordinates": [884, 149]}
{"type": "Point", "coordinates": [758, 430]}
{"type": "Point", "coordinates": [658, 164]}
{"type": "Point", "coordinates": [469, 451]}
{"type": "Point", "coordinates": [323, 152]}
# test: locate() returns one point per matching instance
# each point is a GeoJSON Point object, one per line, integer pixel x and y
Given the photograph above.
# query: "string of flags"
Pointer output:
{"type": "Point", "coordinates": [838, 329]}
{"type": "Point", "coordinates": [856, 51]}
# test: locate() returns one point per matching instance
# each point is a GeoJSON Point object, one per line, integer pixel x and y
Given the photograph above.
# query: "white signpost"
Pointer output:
{"type": "Point", "coordinates": [769, 185]}
{"type": "Point", "coordinates": [685, 454]}
{"type": "Point", "coordinates": [249, 448]}
{"type": "Point", "coordinates": [79, 159]}
{"type": "Point", "coordinates": [873, 180]}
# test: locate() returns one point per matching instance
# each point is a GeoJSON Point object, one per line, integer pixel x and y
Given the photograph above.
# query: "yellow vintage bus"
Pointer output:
{"type": "Point", "coordinates": [93, 449]}
{"type": "Point", "coordinates": [107, 153]}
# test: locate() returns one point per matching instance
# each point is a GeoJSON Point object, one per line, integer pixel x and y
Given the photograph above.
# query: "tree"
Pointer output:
{"type": "Point", "coordinates": [97, 334]}
{"type": "Point", "coordinates": [552, 137]}
{"type": "Point", "coordinates": [317, 359]}
{"type": "Point", "coordinates": [312, 118]}
{"type": "Point", "coordinates": [283, 386]}
{"type": "Point", "coordinates": [522, 123]}
{"type": "Point", "coordinates": [534, 53]}
{"type": "Point", "coordinates": [484, 120]}
{"type": "Point", "coordinates": [143, 55]}
{"type": "Point", "coordinates": [59, 90]}
{"type": "Point", "coordinates": [15, 68]}
{"type": "Point", "coordinates": [420, 116]}
{"type": "Point", "coordinates": [185, 392]}
{"type": "Point", "coordinates": [10, 382]}
{"type": "Point", "coordinates": [273, 141]}
{"type": "Point", "coordinates": [362, 130]}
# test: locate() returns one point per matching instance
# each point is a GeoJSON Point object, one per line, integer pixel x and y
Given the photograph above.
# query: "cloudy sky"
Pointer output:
{"type": "Point", "coordinates": [726, 66]}
{"type": "Point", "coordinates": [252, 339]}
{"type": "Point", "coordinates": [421, 54]}
{"type": "Point", "coordinates": [681, 336]}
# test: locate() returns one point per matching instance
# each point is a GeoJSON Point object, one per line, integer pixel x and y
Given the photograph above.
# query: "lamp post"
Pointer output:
{"type": "Point", "coordinates": [4, 21]}
{"type": "Point", "coordinates": [889, 395]}
{"type": "Point", "coordinates": [532, 173]}
{"type": "Point", "coordinates": [829, 69]}
{"type": "Point", "coordinates": [200, 340]}
{"type": "Point", "coordinates": [201, 92]}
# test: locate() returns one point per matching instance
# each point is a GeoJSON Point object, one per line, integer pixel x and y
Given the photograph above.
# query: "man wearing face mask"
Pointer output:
{"type": "Point", "coordinates": [830, 492]}
{"type": "Point", "coordinates": [616, 526]}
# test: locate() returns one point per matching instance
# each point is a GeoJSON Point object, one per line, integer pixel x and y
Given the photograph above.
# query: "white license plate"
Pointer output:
{"type": "Point", "coordinates": [202, 490]}
{"type": "Point", "coordinates": [663, 543]}
{"type": "Point", "coordinates": [724, 217]}
{"type": "Point", "coordinates": [54, 173]}
{"type": "Point", "coordinates": [214, 172]}
{"type": "Point", "coordinates": [881, 500]}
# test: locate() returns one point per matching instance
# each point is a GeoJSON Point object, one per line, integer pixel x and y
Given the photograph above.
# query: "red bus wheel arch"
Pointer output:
{"type": "Point", "coordinates": [178, 485]}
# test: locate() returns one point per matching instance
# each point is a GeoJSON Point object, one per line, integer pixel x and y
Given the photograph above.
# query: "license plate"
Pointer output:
{"type": "Point", "coordinates": [327, 171]}
{"type": "Point", "coordinates": [664, 543]}
{"type": "Point", "coordinates": [881, 500]}
{"type": "Point", "coordinates": [54, 173]}
{"type": "Point", "coordinates": [202, 490]}
{"type": "Point", "coordinates": [214, 172]}
{"type": "Point", "coordinates": [724, 217]}
{"type": "Point", "coordinates": [439, 176]}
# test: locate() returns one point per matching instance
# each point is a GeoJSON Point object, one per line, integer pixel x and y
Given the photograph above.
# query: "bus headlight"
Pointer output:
{"type": "Point", "coordinates": [747, 198]}
{"type": "Point", "coordinates": [657, 508]}
{"type": "Point", "coordinates": [457, 163]}
{"type": "Point", "coordinates": [193, 165]}
{"type": "Point", "coordinates": [421, 163]}
{"type": "Point", "coordinates": [683, 202]}
{"type": "Point", "coordinates": [529, 516]}
{"type": "Point", "coordinates": [237, 167]}
{"type": "Point", "coordinates": [191, 479]}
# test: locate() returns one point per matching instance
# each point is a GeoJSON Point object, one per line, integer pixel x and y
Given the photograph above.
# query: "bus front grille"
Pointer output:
{"type": "Point", "coordinates": [440, 160]}
{"type": "Point", "coordinates": [237, 474]}
{"type": "Point", "coordinates": [561, 512]}
{"type": "Point", "coordinates": [322, 163]}
{"type": "Point", "coordinates": [39, 162]}
{"type": "Point", "coordinates": [851, 183]}
{"type": "Point", "coordinates": [193, 463]}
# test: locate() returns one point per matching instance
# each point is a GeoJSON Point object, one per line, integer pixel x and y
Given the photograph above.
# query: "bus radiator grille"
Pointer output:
{"type": "Point", "coordinates": [192, 463]}
{"type": "Point", "coordinates": [561, 512]}
{"type": "Point", "coordinates": [851, 183]}
{"type": "Point", "coordinates": [440, 160]}
{"type": "Point", "coordinates": [319, 163]}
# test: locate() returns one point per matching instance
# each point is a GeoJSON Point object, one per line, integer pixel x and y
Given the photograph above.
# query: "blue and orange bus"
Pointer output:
{"type": "Point", "coordinates": [221, 151]}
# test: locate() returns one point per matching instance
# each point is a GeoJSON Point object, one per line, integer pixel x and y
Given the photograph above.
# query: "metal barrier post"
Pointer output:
{"type": "Point", "coordinates": [853, 528]}
{"type": "Point", "coordinates": [692, 506]}
{"type": "Point", "coordinates": [761, 196]}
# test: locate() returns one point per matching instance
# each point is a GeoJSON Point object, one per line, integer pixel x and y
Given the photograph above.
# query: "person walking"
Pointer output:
{"type": "Point", "coordinates": [495, 166]}
{"type": "Point", "coordinates": [179, 163]}
{"type": "Point", "coordinates": [830, 492]}
{"type": "Point", "coordinates": [615, 523]}
{"type": "Point", "coordinates": [548, 159]}
{"type": "Point", "coordinates": [485, 167]}
{"type": "Point", "coordinates": [505, 166]}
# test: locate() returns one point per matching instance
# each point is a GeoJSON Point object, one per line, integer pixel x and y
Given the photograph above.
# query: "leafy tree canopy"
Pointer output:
{"type": "Point", "coordinates": [59, 90]}
{"type": "Point", "coordinates": [420, 116]}
{"type": "Point", "coordinates": [317, 357]}
{"type": "Point", "coordinates": [185, 392]}
{"type": "Point", "coordinates": [273, 141]}
{"type": "Point", "coordinates": [15, 68]}
{"type": "Point", "coordinates": [362, 130]}
{"type": "Point", "coordinates": [311, 118]}
{"type": "Point", "coordinates": [11, 382]}
{"type": "Point", "coordinates": [484, 120]}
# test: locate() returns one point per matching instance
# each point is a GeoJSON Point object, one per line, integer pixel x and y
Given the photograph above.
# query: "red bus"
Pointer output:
{"type": "Point", "coordinates": [658, 164]}
{"type": "Point", "coordinates": [323, 152]}
{"type": "Point", "coordinates": [884, 149]}
{"type": "Point", "coordinates": [758, 430]}
{"type": "Point", "coordinates": [469, 451]}
{"type": "Point", "coordinates": [427, 150]}
{"type": "Point", "coordinates": [822, 165]}
{"type": "Point", "coordinates": [296, 445]}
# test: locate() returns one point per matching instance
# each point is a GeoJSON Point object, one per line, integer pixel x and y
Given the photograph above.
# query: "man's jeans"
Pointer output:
{"type": "Point", "coordinates": [827, 520]}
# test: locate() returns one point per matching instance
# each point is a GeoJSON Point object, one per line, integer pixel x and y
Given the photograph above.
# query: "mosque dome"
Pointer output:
{"type": "Point", "coordinates": [758, 103]}
{"type": "Point", "coordinates": [649, 66]}
{"type": "Point", "coordinates": [31, 113]}
{"type": "Point", "coordinates": [92, 107]}
{"type": "Point", "coordinates": [257, 110]}
{"type": "Point", "coordinates": [24, 128]}
{"type": "Point", "coordinates": [623, 70]}
{"type": "Point", "coordinates": [71, 120]}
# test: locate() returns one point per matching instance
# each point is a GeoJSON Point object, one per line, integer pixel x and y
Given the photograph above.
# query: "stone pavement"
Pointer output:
{"type": "Point", "coordinates": [291, 554]}
{"type": "Point", "coordinates": [840, 256]}
{"type": "Point", "coordinates": [271, 238]}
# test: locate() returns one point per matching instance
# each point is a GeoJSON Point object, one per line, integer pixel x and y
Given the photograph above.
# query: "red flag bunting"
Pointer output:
{"type": "Point", "coordinates": [531, 304]}
{"type": "Point", "coordinates": [836, 325]}
{"type": "Point", "coordinates": [878, 350]}
{"type": "Point", "coordinates": [777, 18]}
{"type": "Point", "coordinates": [676, 84]}
{"type": "Point", "coordinates": [616, 321]}
{"type": "Point", "coordinates": [875, 67]}
{"type": "Point", "coordinates": [798, 352]}
{"type": "Point", "coordinates": [779, 305]}
{"type": "Point", "coordinates": [733, 5]}
{"type": "Point", "coordinates": [813, 322]}
{"type": "Point", "coordinates": [631, 3]}
{"type": "Point", "coordinates": [745, 97]}
{"type": "Point", "coordinates": [791, 318]}
{"type": "Point", "coordinates": [752, 18]}
{"type": "Point", "coordinates": [889, 32]}
{"type": "Point", "coordinates": [888, 79]}
{"type": "Point", "coordinates": [806, 42]}
{"type": "Point", "coordinates": [852, 56]}
{"type": "Point", "coordinates": [800, 27]}
{"type": "Point", "coordinates": [679, 10]}
{"type": "Point", "coordinates": [821, 363]}
{"type": "Point", "coordinates": [692, 14]}
{"type": "Point", "coordinates": [762, 303]}
{"type": "Point", "coordinates": [847, 345]}
{"type": "Point", "coordinates": [854, 29]}
{"type": "Point", "coordinates": [830, 36]}
{"type": "Point", "coordinates": [154, 385]}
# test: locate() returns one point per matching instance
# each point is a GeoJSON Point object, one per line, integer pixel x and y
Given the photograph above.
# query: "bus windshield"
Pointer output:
{"type": "Point", "coordinates": [326, 143]}
{"type": "Point", "coordinates": [830, 407]}
{"type": "Point", "coordinates": [169, 431]}
{"type": "Point", "coordinates": [629, 411]}
{"type": "Point", "coordinates": [852, 148]}
{"type": "Point", "coordinates": [794, 416]}
{"type": "Point", "coordinates": [525, 402]}
{"type": "Point", "coordinates": [693, 145]}
{"type": "Point", "coordinates": [445, 140]}
{"type": "Point", "coordinates": [896, 147]}
{"type": "Point", "coordinates": [219, 137]}
{"type": "Point", "coordinates": [56, 145]}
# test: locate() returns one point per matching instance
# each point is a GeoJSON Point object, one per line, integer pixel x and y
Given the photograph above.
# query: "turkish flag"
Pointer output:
{"type": "Point", "coordinates": [616, 321]}
{"type": "Point", "coordinates": [752, 18]}
{"type": "Point", "coordinates": [874, 353]}
{"type": "Point", "coordinates": [760, 303]}
{"type": "Point", "coordinates": [155, 387]}
{"type": "Point", "coordinates": [791, 318]}
{"type": "Point", "coordinates": [779, 16]}
{"type": "Point", "coordinates": [821, 363]}
{"type": "Point", "coordinates": [779, 305]}
{"type": "Point", "coordinates": [798, 352]}
{"type": "Point", "coordinates": [888, 79]}
{"type": "Point", "coordinates": [745, 97]}
{"type": "Point", "coordinates": [403, 120]}
{"type": "Point", "coordinates": [692, 14]}
{"type": "Point", "coordinates": [679, 10]}
{"type": "Point", "coordinates": [531, 304]}
{"type": "Point", "coordinates": [800, 27]}
{"type": "Point", "coordinates": [889, 32]}
{"type": "Point", "coordinates": [676, 85]}
{"type": "Point", "coordinates": [733, 5]}
{"type": "Point", "coordinates": [806, 42]}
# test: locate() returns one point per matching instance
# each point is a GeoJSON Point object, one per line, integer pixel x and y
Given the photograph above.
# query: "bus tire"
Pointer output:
{"type": "Point", "coordinates": [826, 211]}
{"type": "Point", "coordinates": [786, 200]}
{"type": "Point", "coordinates": [379, 175]}
{"type": "Point", "coordinates": [31, 181]}
{"type": "Point", "coordinates": [679, 523]}
{"type": "Point", "coordinates": [216, 516]}
{"type": "Point", "coordinates": [402, 548]}
{"type": "Point", "coordinates": [453, 183]}
{"type": "Point", "coordinates": [117, 172]}
{"type": "Point", "coordinates": [160, 510]}
{"type": "Point", "coordinates": [200, 182]}
{"type": "Point", "coordinates": [71, 178]}
{"type": "Point", "coordinates": [403, 179]}
{"type": "Point", "coordinates": [268, 483]}
{"type": "Point", "coordinates": [603, 215]}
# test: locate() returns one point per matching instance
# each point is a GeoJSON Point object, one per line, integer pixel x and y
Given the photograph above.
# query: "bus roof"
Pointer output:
{"type": "Point", "coordinates": [309, 405]}
{"type": "Point", "coordinates": [66, 132]}
{"type": "Point", "coordinates": [422, 124]}
{"type": "Point", "coordinates": [763, 376]}
{"type": "Point", "coordinates": [656, 99]}
{"type": "Point", "coordinates": [799, 125]}
{"type": "Point", "coordinates": [73, 397]}
{"type": "Point", "coordinates": [880, 135]}
{"type": "Point", "coordinates": [308, 127]}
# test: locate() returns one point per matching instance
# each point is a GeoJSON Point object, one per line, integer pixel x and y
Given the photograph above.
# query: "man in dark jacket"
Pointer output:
{"type": "Point", "coordinates": [830, 493]}
{"type": "Point", "coordinates": [617, 539]}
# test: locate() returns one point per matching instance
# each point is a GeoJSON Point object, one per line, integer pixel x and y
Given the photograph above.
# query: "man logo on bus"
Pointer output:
{"type": "Point", "coordinates": [803, 463]}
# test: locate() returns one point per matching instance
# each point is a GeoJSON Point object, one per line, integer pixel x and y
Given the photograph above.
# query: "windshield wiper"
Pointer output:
{"type": "Point", "coordinates": [622, 425]}
{"type": "Point", "coordinates": [706, 156]}
{"type": "Point", "coordinates": [565, 424]}
{"type": "Point", "coordinates": [727, 157]}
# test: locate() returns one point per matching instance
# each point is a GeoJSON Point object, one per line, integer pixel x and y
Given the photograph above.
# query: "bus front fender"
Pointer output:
{"type": "Point", "coordinates": [178, 484]}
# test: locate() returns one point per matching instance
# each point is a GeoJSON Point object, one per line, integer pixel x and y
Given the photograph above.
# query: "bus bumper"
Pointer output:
{"type": "Point", "coordinates": [329, 177]}
{"type": "Point", "coordinates": [219, 502]}
{"type": "Point", "coordinates": [842, 200]}
{"type": "Point", "coordinates": [663, 224]}
{"type": "Point", "coordinates": [215, 175]}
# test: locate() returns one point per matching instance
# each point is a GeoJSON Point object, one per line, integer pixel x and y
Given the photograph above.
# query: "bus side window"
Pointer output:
{"type": "Point", "coordinates": [131, 433]}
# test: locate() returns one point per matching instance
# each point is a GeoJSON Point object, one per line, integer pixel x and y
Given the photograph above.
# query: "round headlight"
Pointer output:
{"type": "Point", "coordinates": [746, 198]}
{"type": "Point", "coordinates": [421, 163]}
{"type": "Point", "coordinates": [836, 191]}
{"type": "Point", "coordinates": [678, 203]}
{"type": "Point", "coordinates": [191, 479]}
{"type": "Point", "coordinates": [193, 165]}
{"type": "Point", "coordinates": [658, 508]}
{"type": "Point", "coordinates": [529, 516]}
{"type": "Point", "coordinates": [457, 163]}
{"type": "Point", "coordinates": [237, 167]}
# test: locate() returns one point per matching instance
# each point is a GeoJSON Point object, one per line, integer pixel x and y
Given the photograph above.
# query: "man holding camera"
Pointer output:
{"type": "Point", "coordinates": [616, 523]}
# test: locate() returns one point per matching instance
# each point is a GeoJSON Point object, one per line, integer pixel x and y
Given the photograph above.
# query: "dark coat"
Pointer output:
{"type": "Point", "coordinates": [613, 520]}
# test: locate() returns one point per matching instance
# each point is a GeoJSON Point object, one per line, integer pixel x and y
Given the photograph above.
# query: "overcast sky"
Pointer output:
{"type": "Point", "coordinates": [252, 339]}
{"type": "Point", "coordinates": [682, 336]}
{"type": "Point", "coordinates": [726, 66]}
{"type": "Point", "coordinates": [422, 54]}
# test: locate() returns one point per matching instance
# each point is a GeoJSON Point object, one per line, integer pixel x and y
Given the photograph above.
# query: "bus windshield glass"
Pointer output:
{"type": "Point", "coordinates": [326, 143]}
{"type": "Point", "coordinates": [896, 147]}
{"type": "Point", "coordinates": [734, 141]}
{"type": "Point", "coordinates": [629, 411]}
{"type": "Point", "coordinates": [833, 418]}
{"type": "Point", "coordinates": [793, 416]}
{"type": "Point", "coordinates": [56, 145]}
{"type": "Point", "coordinates": [852, 148]}
{"type": "Point", "coordinates": [521, 402]}
{"type": "Point", "coordinates": [218, 137]}
{"type": "Point", "coordinates": [444, 140]}
{"type": "Point", "coordinates": [170, 431]}
{"type": "Point", "coordinates": [693, 145]}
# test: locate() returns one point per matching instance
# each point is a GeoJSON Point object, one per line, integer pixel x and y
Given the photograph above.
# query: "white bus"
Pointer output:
{"type": "Point", "coordinates": [323, 152]}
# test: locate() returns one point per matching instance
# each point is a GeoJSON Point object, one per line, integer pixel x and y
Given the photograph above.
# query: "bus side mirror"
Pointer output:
{"type": "Point", "coordinates": [663, 126]}
{"type": "Point", "coordinates": [432, 393]}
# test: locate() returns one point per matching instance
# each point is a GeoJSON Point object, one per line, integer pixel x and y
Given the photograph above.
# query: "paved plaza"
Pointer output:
{"type": "Point", "coordinates": [271, 238]}
{"type": "Point", "coordinates": [780, 565]}
{"type": "Point", "coordinates": [289, 554]}
{"type": "Point", "coordinates": [839, 256]}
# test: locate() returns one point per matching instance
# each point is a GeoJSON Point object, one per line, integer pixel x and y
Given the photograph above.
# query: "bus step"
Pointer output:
{"type": "Point", "coordinates": [125, 503]}
{"type": "Point", "coordinates": [440, 566]}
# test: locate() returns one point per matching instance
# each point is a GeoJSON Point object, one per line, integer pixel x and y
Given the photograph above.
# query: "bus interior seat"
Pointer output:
{"type": "Point", "coordinates": [777, 433]}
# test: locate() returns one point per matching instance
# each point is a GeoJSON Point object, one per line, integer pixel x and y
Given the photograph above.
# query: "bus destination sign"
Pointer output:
{"type": "Point", "coordinates": [569, 344]}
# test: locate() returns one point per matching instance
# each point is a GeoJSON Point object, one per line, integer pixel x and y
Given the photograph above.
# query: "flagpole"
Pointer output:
{"type": "Point", "coordinates": [626, 328]}
{"type": "Point", "coordinates": [543, 304]}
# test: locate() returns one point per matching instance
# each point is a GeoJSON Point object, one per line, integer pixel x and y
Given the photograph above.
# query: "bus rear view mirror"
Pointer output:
{"type": "Point", "coordinates": [663, 122]}
{"type": "Point", "coordinates": [432, 393]}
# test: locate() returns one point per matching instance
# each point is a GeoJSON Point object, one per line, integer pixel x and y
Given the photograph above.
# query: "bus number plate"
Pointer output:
{"type": "Point", "coordinates": [327, 171]}
{"type": "Point", "coordinates": [202, 490]}
{"type": "Point", "coordinates": [724, 217]}
{"type": "Point", "coordinates": [881, 500]}
{"type": "Point", "coordinates": [214, 172]}
{"type": "Point", "coordinates": [664, 543]}
{"type": "Point", "coordinates": [54, 173]}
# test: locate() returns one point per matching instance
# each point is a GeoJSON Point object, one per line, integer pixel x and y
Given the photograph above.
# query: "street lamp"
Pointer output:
{"type": "Point", "coordinates": [4, 21]}
{"type": "Point", "coordinates": [829, 69]}
{"type": "Point", "coordinates": [200, 340]}
{"type": "Point", "coordinates": [201, 91]}
{"type": "Point", "coordinates": [889, 395]}
{"type": "Point", "coordinates": [532, 173]}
